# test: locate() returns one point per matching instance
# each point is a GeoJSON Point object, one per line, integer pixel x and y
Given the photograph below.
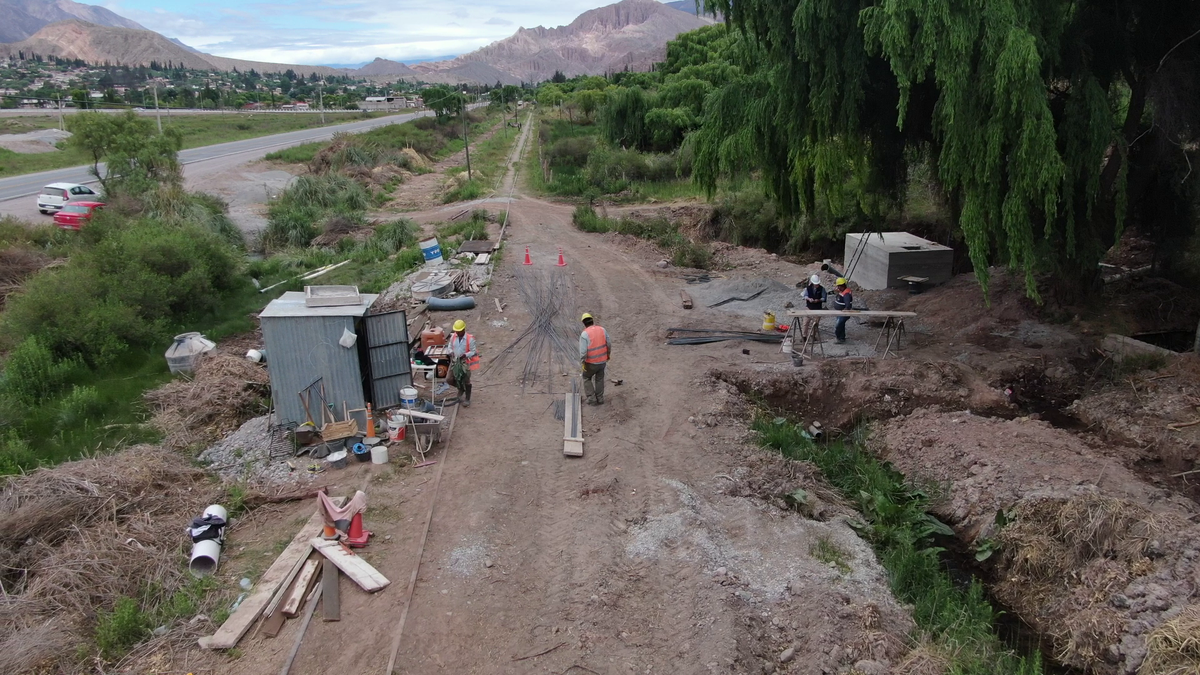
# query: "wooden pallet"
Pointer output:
{"type": "Point", "coordinates": [572, 427]}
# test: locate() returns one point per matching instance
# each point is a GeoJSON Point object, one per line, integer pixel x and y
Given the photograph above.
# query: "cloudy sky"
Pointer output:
{"type": "Point", "coordinates": [344, 31]}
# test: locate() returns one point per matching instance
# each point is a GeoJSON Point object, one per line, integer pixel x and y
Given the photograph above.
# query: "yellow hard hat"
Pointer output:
{"type": "Point", "coordinates": [585, 316]}
{"type": "Point", "coordinates": [841, 281]}
{"type": "Point", "coordinates": [460, 325]}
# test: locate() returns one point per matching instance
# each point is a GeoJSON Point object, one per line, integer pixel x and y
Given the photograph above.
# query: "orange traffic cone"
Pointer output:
{"type": "Point", "coordinates": [370, 421]}
{"type": "Point", "coordinates": [528, 260]}
{"type": "Point", "coordinates": [562, 262]}
{"type": "Point", "coordinates": [329, 533]}
{"type": "Point", "coordinates": [357, 538]}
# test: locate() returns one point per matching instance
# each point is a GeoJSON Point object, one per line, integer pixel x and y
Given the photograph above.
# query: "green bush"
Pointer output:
{"type": "Point", "coordinates": [33, 373]}
{"type": "Point", "coordinates": [570, 151]}
{"type": "Point", "coordinates": [16, 455]}
{"type": "Point", "coordinates": [395, 235]}
{"type": "Point", "coordinates": [122, 628]}
{"type": "Point", "coordinates": [292, 218]}
{"type": "Point", "coordinates": [297, 154]}
{"type": "Point", "coordinates": [586, 219]}
{"type": "Point", "coordinates": [83, 403]}
{"type": "Point", "coordinates": [472, 189]}
{"type": "Point", "coordinates": [131, 288]}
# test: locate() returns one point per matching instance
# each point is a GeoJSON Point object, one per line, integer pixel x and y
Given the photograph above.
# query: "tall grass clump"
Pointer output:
{"type": "Point", "coordinates": [960, 621]}
{"type": "Point", "coordinates": [293, 218]}
{"type": "Point", "coordinates": [684, 252]}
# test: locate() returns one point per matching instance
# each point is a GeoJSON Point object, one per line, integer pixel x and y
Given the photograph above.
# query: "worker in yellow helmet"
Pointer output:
{"type": "Point", "coordinates": [842, 301]}
{"type": "Point", "coordinates": [465, 357]}
{"type": "Point", "coordinates": [594, 351]}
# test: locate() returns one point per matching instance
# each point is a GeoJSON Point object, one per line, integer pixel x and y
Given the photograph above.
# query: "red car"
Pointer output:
{"type": "Point", "coordinates": [75, 215]}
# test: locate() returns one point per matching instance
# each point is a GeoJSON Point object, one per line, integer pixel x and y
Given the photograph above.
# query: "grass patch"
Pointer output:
{"type": "Point", "coordinates": [197, 130]}
{"type": "Point", "coordinates": [897, 523]}
{"type": "Point", "coordinates": [826, 551]}
{"type": "Point", "coordinates": [297, 154]}
{"type": "Point", "coordinates": [474, 188]}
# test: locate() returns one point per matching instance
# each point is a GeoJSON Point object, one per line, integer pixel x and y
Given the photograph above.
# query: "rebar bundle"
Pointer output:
{"type": "Point", "coordinates": [552, 336]}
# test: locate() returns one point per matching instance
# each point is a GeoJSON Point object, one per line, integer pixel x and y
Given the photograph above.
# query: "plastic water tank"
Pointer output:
{"type": "Point", "coordinates": [182, 354]}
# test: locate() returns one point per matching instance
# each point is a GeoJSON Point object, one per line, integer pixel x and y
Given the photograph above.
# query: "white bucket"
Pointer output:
{"type": "Point", "coordinates": [431, 251]}
{"type": "Point", "coordinates": [205, 555]}
{"type": "Point", "coordinates": [394, 428]}
{"type": "Point", "coordinates": [379, 454]}
{"type": "Point", "coordinates": [408, 397]}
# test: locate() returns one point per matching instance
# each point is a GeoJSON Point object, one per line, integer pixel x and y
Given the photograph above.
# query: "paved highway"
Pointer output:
{"type": "Point", "coordinates": [196, 160]}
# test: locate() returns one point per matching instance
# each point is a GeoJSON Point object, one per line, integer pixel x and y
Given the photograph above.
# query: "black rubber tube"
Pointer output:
{"type": "Point", "coordinates": [450, 304]}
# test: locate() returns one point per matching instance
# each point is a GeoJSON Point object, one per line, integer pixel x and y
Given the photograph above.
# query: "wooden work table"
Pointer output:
{"type": "Point", "coordinates": [819, 313]}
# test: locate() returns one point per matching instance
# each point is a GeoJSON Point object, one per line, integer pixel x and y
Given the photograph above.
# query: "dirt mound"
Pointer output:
{"type": "Point", "coordinates": [1083, 550]}
{"type": "Point", "coordinates": [225, 391]}
{"type": "Point", "coordinates": [75, 538]}
{"type": "Point", "coordinates": [841, 393]}
{"type": "Point", "coordinates": [1147, 410]}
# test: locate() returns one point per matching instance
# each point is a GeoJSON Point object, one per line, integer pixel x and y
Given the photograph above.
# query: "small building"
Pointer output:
{"type": "Point", "coordinates": [876, 261]}
{"type": "Point", "coordinates": [306, 350]}
{"type": "Point", "coordinates": [383, 103]}
{"type": "Point", "coordinates": [301, 105]}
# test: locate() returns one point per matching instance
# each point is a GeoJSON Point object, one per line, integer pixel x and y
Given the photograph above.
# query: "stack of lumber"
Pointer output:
{"type": "Point", "coordinates": [291, 583]}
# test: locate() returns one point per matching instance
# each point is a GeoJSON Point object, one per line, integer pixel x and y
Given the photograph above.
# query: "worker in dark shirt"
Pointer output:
{"type": "Point", "coordinates": [814, 298]}
{"type": "Point", "coordinates": [843, 301]}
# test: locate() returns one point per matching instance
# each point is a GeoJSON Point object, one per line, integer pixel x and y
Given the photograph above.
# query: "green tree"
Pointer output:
{"type": "Point", "coordinates": [443, 101]}
{"type": "Point", "coordinates": [135, 159]}
{"type": "Point", "coordinates": [589, 101]}
{"type": "Point", "coordinates": [549, 96]}
{"type": "Point", "coordinates": [1048, 124]}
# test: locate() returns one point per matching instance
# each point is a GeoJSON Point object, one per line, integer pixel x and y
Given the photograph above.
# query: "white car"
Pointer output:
{"type": "Point", "coordinates": [57, 195]}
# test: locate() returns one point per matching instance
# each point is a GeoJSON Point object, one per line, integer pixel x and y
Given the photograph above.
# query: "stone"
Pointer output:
{"type": "Point", "coordinates": [787, 655]}
{"type": "Point", "coordinates": [662, 264]}
{"type": "Point", "coordinates": [869, 667]}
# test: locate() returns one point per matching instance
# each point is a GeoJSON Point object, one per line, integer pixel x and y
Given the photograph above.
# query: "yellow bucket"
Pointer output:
{"type": "Point", "coordinates": [768, 321]}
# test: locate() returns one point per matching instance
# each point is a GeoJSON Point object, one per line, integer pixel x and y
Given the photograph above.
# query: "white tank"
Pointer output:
{"type": "Point", "coordinates": [182, 354]}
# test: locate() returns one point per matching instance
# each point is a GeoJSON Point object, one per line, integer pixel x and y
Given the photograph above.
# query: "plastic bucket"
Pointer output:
{"type": "Point", "coordinates": [361, 452]}
{"type": "Point", "coordinates": [408, 397]}
{"type": "Point", "coordinates": [431, 250]}
{"type": "Point", "coordinates": [379, 454]}
{"type": "Point", "coordinates": [337, 460]}
{"type": "Point", "coordinates": [395, 430]}
{"type": "Point", "coordinates": [768, 321]}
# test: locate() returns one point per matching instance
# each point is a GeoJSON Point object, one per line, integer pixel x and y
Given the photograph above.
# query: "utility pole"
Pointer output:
{"type": "Point", "coordinates": [157, 112]}
{"type": "Point", "coordinates": [321, 100]}
{"type": "Point", "coordinates": [61, 123]}
{"type": "Point", "coordinates": [466, 140]}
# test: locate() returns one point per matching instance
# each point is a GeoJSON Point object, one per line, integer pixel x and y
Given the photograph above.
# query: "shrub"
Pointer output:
{"type": "Point", "coordinates": [571, 151]}
{"type": "Point", "coordinates": [32, 373]}
{"type": "Point", "coordinates": [81, 404]}
{"type": "Point", "coordinates": [297, 154]}
{"type": "Point", "coordinates": [471, 189]}
{"type": "Point", "coordinates": [395, 235]}
{"type": "Point", "coordinates": [16, 455]}
{"type": "Point", "coordinates": [586, 219]}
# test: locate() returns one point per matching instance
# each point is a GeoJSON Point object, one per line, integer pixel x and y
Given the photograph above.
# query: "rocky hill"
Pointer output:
{"type": "Point", "coordinates": [23, 18]}
{"type": "Point", "coordinates": [77, 39]}
{"type": "Point", "coordinates": [630, 34]}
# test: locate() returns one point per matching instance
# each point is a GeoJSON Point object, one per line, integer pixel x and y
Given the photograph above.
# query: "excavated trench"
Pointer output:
{"type": "Point", "coordinates": [1100, 637]}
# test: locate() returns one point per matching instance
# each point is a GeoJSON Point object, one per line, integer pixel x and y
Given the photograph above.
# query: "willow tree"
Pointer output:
{"type": "Point", "coordinates": [1047, 122]}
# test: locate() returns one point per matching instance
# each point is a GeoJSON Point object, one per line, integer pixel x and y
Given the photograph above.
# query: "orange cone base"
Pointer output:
{"type": "Point", "coordinates": [528, 260]}
{"type": "Point", "coordinates": [562, 262]}
{"type": "Point", "coordinates": [358, 536]}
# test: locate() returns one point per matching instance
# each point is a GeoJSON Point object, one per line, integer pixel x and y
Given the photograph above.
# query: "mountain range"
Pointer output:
{"type": "Point", "coordinates": [631, 34]}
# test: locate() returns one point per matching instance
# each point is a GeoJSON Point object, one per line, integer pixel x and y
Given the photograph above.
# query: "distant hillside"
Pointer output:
{"type": "Point", "coordinates": [135, 47]}
{"type": "Point", "coordinates": [380, 67]}
{"type": "Point", "coordinates": [19, 19]}
{"type": "Point", "coordinates": [630, 34]}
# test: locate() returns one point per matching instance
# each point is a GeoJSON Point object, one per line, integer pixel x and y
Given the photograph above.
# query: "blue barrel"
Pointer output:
{"type": "Point", "coordinates": [431, 250]}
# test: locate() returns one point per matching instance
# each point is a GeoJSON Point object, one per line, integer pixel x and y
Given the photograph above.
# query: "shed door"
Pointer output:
{"type": "Point", "coordinates": [387, 357]}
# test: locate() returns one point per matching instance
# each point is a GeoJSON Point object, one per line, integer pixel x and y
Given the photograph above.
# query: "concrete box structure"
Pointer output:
{"type": "Point", "coordinates": [303, 345]}
{"type": "Point", "coordinates": [882, 259]}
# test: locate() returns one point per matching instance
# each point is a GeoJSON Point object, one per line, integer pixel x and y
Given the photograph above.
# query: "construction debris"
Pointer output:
{"type": "Point", "coordinates": [703, 336]}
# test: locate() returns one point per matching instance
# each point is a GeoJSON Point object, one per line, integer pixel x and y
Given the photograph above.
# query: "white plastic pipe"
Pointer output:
{"type": "Point", "coordinates": [207, 553]}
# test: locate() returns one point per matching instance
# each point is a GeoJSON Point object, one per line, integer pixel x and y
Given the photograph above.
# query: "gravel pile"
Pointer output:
{"type": "Point", "coordinates": [245, 455]}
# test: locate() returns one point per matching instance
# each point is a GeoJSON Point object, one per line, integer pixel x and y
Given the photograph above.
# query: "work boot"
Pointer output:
{"type": "Point", "coordinates": [591, 400]}
{"type": "Point", "coordinates": [599, 400]}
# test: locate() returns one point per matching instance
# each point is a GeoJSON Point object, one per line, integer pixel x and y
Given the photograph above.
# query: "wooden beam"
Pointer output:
{"type": "Point", "coordinates": [572, 427]}
{"type": "Point", "coordinates": [312, 607]}
{"type": "Point", "coordinates": [300, 588]}
{"type": "Point", "coordinates": [685, 299]}
{"type": "Point", "coordinates": [360, 571]}
{"type": "Point", "coordinates": [331, 598]}
{"type": "Point", "coordinates": [279, 574]}
{"type": "Point", "coordinates": [854, 312]}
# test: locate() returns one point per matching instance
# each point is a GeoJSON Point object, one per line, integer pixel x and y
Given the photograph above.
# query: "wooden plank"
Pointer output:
{"type": "Point", "coordinates": [331, 599]}
{"type": "Point", "coordinates": [280, 573]}
{"type": "Point", "coordinates": [312, 607]}
{"type": "Point", "coordinates": [360, 571]}
{"type": "Point", "coordinates": [686, 299]}
{"type": "Point", "coordinates": [572, 429]}
{"type": "Point", "coordinates": [300, 588]}
{"type": "Point", "coordinates": [854, 312]}
{"type": "Point", "coordinates": [271, 625]}
{"type": "Point", "coordinates": [433, 417]}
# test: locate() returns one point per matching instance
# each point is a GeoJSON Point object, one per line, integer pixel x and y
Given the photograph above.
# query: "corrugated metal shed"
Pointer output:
{"type": "Point", "coordinates": [302, 345]}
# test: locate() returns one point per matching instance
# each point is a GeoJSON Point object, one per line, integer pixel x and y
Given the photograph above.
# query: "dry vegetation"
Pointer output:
{"type": "Point", "coordinates": [77, 538]}
{"type": "Point", "coordinates": [18, 263]}
{"type": "Point", "coordinates": [224, 392]}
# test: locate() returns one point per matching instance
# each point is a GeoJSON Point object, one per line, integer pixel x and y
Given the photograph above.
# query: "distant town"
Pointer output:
{"type": "Point", "coordinates": [49, 83]}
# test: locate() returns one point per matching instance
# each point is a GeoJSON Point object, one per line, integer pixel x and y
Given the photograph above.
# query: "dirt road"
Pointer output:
{"type": "Point", "coordinates": [633, 559]}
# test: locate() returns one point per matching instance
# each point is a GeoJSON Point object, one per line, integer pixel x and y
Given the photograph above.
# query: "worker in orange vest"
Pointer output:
{"type": "Point", "coordinates": [466, 360]}
{"type": "Point", "coordinates": [843, 301]}
{"type": "Point", "coordinates": [594, 351]}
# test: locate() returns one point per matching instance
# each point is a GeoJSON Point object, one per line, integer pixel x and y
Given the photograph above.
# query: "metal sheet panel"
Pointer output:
{"type": "Point", "coordinates": [302, 349]}
{"type": "Point", "coordinates": [388, 358]}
